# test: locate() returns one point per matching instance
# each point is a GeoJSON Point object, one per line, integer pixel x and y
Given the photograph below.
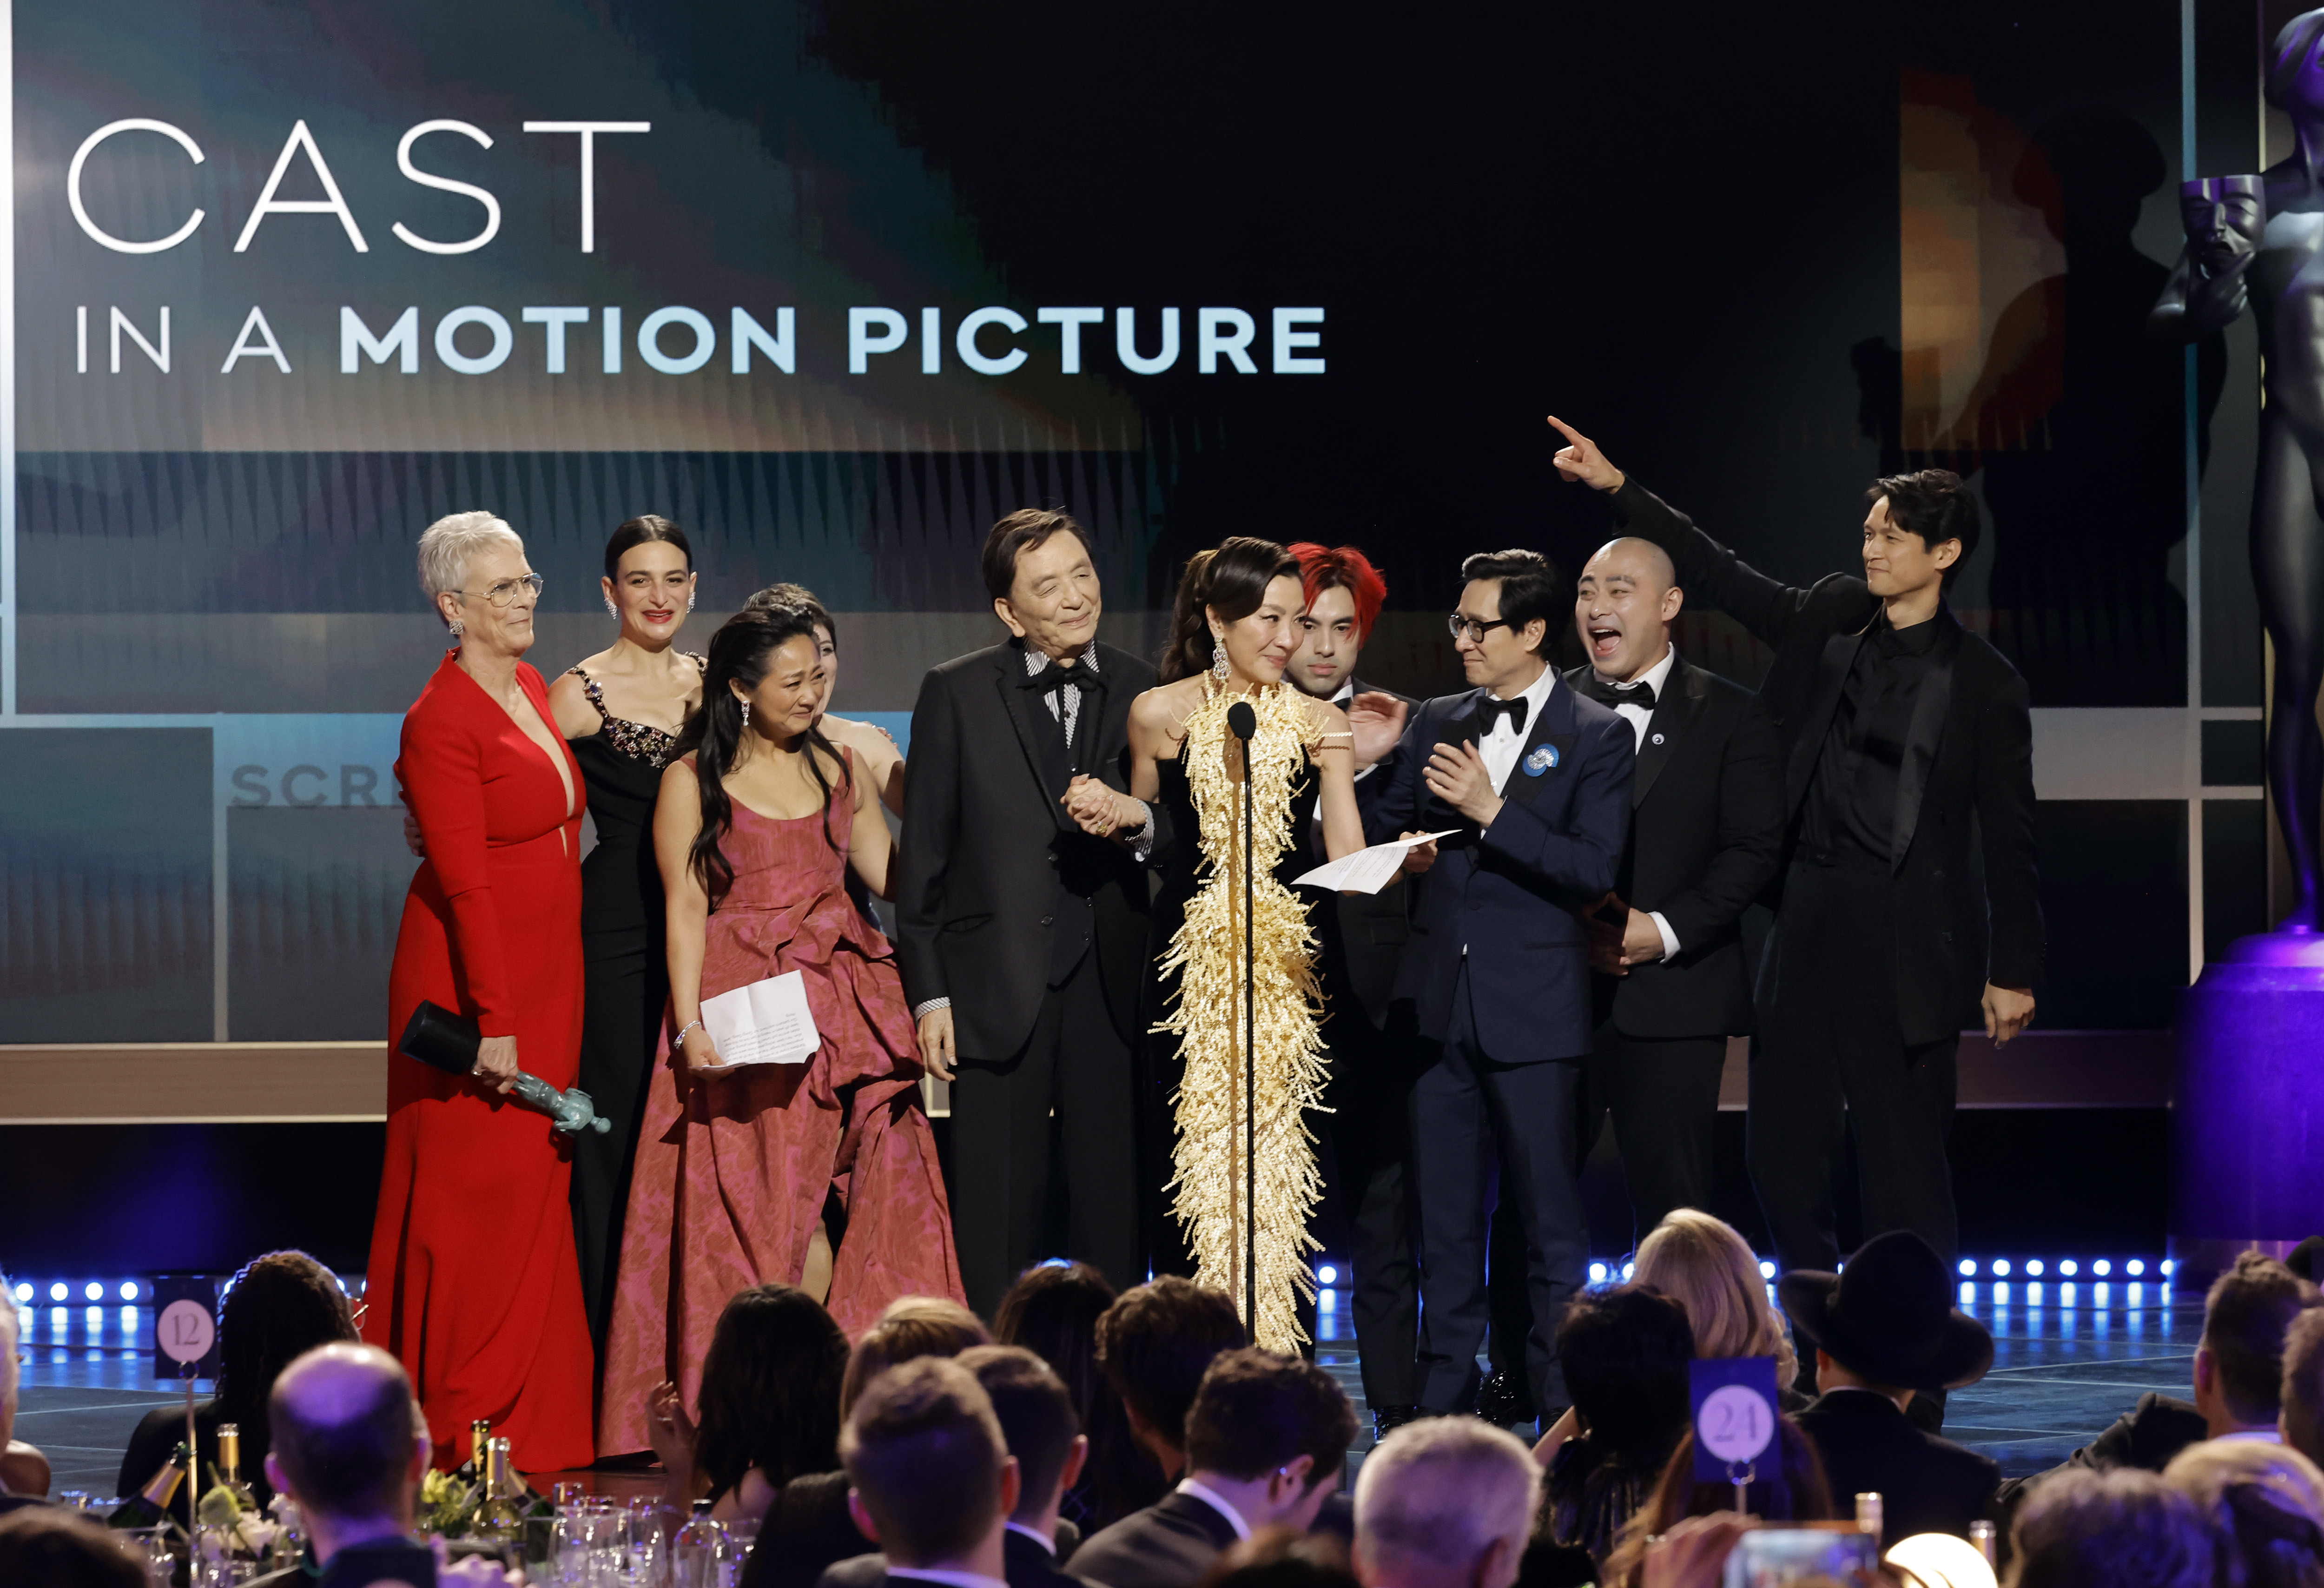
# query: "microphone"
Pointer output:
{"type": "Point", "coordinates": [1243, 721]}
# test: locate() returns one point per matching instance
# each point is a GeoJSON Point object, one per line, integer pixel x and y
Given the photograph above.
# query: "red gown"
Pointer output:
{"type": "Point", "coordinates": [474, 1284]}
{"type": "Point", "coordinates": [733, 1172]}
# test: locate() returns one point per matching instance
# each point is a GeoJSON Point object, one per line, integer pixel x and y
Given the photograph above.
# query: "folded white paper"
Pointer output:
{"type": "Point", "coordinates": [765, 1022]}
{"type": "Point", "coordinates": [1367, 871]}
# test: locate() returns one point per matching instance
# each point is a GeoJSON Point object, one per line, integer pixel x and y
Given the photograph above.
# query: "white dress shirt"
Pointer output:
{"type": "Point", "coordinates": [1638, 717]}
{"type": "Point", "coordinates": [1502, 746]}
{"type": "Point", "coordinates": [1046, 1542]}
{"type": "Point", "coordinates": [1217, 1502]}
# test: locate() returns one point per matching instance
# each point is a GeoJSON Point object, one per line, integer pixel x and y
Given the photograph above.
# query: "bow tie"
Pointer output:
{"type": "Point", "coordinates": [1489, 710]}
{"type": "Point", "coordinates": [1639, 694]}
{"type": "Point", "coordinates": [1053, 677]}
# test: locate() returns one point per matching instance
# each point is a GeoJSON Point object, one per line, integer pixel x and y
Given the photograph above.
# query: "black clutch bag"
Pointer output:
{"type": "Point", "coordinates": [438, 1038]}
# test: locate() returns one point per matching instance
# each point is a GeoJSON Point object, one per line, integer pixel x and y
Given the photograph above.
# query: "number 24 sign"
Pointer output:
{"type": "Point", "coordinates": [1734, 1414]}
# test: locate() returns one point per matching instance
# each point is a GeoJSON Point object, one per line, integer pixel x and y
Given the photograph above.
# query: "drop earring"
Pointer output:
{"type": "Point", "coordinates": [746, 715]}
{"type": "Point", "coordinates": [610, 610]}
{"type": "Point", "coordinates": [689, 603]}
{"type": "Point", "coordinates": [1219, 657]}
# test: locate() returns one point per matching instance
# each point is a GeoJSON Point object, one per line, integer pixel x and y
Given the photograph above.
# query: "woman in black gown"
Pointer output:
{"type": "Point", "coordinates": [621, 711]}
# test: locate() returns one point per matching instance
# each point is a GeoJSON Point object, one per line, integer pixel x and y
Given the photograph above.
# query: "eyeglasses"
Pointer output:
{"type": "Point", "coordinates": [506, 591]}
{"type": "Point", "coordinates": [1473, 630]}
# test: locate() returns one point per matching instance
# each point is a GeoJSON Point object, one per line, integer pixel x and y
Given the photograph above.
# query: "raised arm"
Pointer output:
{"type": "Point", "coordinates": [1707, 571]}
{"type": "Point", "coordinates": [678, 818]}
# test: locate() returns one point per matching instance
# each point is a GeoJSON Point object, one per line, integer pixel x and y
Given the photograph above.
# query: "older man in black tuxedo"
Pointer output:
{"type": "Point", "coordinates": [1910, 909]}
{"type": "Point", "coordinates": [1022, 939]}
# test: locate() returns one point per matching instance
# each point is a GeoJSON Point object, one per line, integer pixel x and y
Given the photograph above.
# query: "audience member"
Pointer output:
{"type": "Point", "coordinates": [770, 1405]}
{"type": "Point", "coordinates": [279, 1308]}
{"type": "Point", "coordinates": [1445, 1503]}
{"type": "Point", "coordinates": [1705, 1266]}
{"type": "Point", "coordinates": [11, 1498]}
{"type": "Point", "coordinates": [1041, 1432]}
{"type": "Point", "coordinates": [2124, 1528]}
{"type": "Point", "coordinates": [909, 1328]}
{"type": "Point", "coordinates": [2301, 1421]}
{"type": "Point", "coordinates": [1885, 1330]}
{"type": "Point", "coordinates": [1790, 1488]}
{"type": "Point", "coordinates": [1283, 1557]}
{"type": "Point", "coordinates": [933, 1481]}
{"type": "Point", "coordinates": [1266, 1442]}
{"type": "Point", "coordinates": [1154, 1346]}
{"type": "Point", "coordinates": [47, 1547]}
{"type": "Point", "coordinates": [1053, 1311]}
{"type": "Point", "coordinates": [350, 1449]}
{"type": "Point", "coordinates": [2239, 1373]}
{"type": "Point", "coordinates": [2266, 1501]}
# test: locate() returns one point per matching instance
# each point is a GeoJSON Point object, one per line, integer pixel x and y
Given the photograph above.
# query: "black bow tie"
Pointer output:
{"type": "Point", "coordinates": [1490, 709]}
{"type": "Point", "coordinates": [1641, 693]}
{"type": "Point", "coordinates": [1053, 677]}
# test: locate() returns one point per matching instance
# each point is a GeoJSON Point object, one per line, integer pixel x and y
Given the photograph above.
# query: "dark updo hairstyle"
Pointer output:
{"type": "Point", "coordinates": [1231, 581]}
{"type": "Point", "coordinates": [800, 596]}
{"type": "Point", "coordinates": [637, 532]}
{"type": "Point", "coordinates": [770, 1389]}
{"type": "Point", "coordinates": [740, 652]}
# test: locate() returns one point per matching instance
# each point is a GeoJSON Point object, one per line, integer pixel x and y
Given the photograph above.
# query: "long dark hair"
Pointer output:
{"type": "Point", "coordinates": [1053, 1311]}
{"type": "Point", "coordinates": [1232, 580]}
{"type": "Point", "coordinates": [739, 652]}
{"type": "Point", "coordinates": [637, 532]}
{"type": "Point", "coordinates": [278, 1309]}
{"type": "Point", "coordinates": [770, 1389]}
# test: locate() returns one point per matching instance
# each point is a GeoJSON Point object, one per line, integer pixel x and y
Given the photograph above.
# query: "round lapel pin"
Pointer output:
{"type": "Point", "coordinates": [1543, 758]}
{"type": "Point", "coordinates": [1658, 738]}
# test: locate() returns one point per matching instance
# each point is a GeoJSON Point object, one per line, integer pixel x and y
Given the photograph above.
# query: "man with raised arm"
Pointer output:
{"type": "Point", "coordinates": [1908, 903]}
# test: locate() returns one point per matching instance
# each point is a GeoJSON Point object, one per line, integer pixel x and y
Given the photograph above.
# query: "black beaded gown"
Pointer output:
{"type": "Point", "coordinates": [625, 978]}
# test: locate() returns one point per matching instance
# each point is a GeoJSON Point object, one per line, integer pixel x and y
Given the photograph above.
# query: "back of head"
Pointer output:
{"type": "Point", "coordinates": [48, 1547]}
{"type": "Point", "coordinates": [1790, 1488]}
{"type": "Point", "coordinates": [342, 1417]}
{"type": "Point", "coordinates": [2125, 1528]}
{"type": "Point", "coordinates": [1624, 1355]}
{"type": "Point", "coordinates": [1282, 1557]}
{"type": "Point", "coordinates": [2249, 1311]}
{"type": "Point", "coordinates": [1530, 589]}
{"type": "Point", "coordinates": [798, 598]}
{"type": "Point", "coordinates": [1934, 504]}
{"type": "Point", "coordinates": [1019, 532]}
{"type": "Point", "coordinates": [2268, 1500]}
{"type": "Point", "coordinates": [1230, 581]}
{"type": "Point", "coordinates": [1052, 1311]}
{"type": "Point", "coordinates": [1036, 1415]}
{"type": "Point", "coordinates": [2303, 1385]}
{"type": "Point", "coordinates": [1157, 1342]}
{"type": "Point", "coordinates": [1433, 1496]}
{"type": "Point", "coordinates": [770, 1389]}
{"type": "Point", "coordinates": [1256, 1411]}
{"type": "Point", "coordinates": [278, 1309]}
{"type": "Point", "coordinates": [925, 1452]}
{"type": "Point", "coordinates": [1705, 1266]}
{"type": "Point", "coordinates": [911, 1327]}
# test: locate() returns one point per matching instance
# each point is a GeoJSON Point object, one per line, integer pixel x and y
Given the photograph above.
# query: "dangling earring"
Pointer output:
{"type": "Point", "coordinates": [689, 603]}
{"type": "Point", "coordinates": [1219, 656]}
{"type": "Point", "coordinates": [746, 715]}
{"type": "Point", "coordinates": [611, 611]}
{"type": "Point", "coordinates": [457, 626]}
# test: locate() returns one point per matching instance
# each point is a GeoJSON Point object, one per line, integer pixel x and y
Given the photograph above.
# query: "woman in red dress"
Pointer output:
{"type": "Point", "coordinates": [760, 818]}
{"type": "Point", "coordinates": [474, 1284]}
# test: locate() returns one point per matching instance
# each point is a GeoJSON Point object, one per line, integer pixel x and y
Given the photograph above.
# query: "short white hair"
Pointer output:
{"type": "Point", "coordinates": [451, 542]}
{"type": "Point", "coordinates": [1432, 1497]}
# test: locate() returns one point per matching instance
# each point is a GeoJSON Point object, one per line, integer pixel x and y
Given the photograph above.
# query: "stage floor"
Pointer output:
{"type": "Point", "coordinates": [2067, 1360]}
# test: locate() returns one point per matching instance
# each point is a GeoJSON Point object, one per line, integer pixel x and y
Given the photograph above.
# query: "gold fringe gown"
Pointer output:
{"type": "Point", "coordinates": [1207, 1016]}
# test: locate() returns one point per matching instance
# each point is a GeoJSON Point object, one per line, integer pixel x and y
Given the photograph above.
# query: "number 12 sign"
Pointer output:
{"type": "Point", "coordinates": [1734, 1415]}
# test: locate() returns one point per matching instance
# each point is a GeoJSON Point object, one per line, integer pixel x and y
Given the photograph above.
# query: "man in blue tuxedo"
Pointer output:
{"type": "Point", "coordinates": [1535, 780]}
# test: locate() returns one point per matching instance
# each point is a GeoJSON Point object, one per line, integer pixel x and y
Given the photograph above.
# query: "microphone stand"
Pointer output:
{"type": "Point", "coordinates": [1243, 722]}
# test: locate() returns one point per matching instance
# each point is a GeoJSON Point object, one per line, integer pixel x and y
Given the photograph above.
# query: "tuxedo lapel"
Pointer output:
{"type": "Point", "coordinates": [1930, 705]}
{"type": "Point", "coordinates": [1043, 754]}
{"type": "Point", "coordinates": [1831, 674]}
{"type": "Point", "coordinates": [1553, 723]}
{"type": "Point", "coordinates": [1684, 689]}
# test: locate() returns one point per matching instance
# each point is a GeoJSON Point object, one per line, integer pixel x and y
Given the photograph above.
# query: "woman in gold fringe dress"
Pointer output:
{"type": "Point", "coordinates": [1236, 625]}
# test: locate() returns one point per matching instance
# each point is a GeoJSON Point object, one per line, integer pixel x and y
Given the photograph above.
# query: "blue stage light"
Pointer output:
{"type": "Point", "coordinates": [1627, 1269]}
{"type": "Point", "coordinates": [2138, 1296]}
{"type": "Point", "coordinates": [2102, 1267]}
{"type": "Point", "coordinates": [2001, 1294]}
{"type": "Point", "coordinates": [95, 1318]}
{"type": "Point", "coordinates": [1328, 1274]}
{"type": "Point", "coordinates": [94, 1290]}
{"type": "Point", "coordinates": [23, 1290]}
{"type": "Point", "coordinates": [1327, 1300]}
{"type": "Point", "coordinates": [2034, 1294]}
{"type": "Point", "coordinates": [2069, 1266]}
{"type": "Point", "coordinates": [2034, 1265]}
{"type": "Point", "coordinates": [1767, 1270]}
{"type": "Point", "coordinates": [2133, 1267]}
{"type": "Point", "coordinates": [1597, 1273]}
{"type": "Point", "coordinates": [1967, 1293]}
{"type": "Point", "coordinates": [128, 1289]}
{"type": "Point", "coordinates": [2098, 1293]}
{"type": "Point", "coordinates": [59, 1291]}
{"type": "Point", "coordinates": [1968, 1267]}
{"type": "Point", "coordinates": [2001, 1267]}
{"type": "Point", "coordinates": [2065, 1295]}
{"type": "Point", "coordinates": [2165, 1268]}
{"type": "Point", "coordinates": [128, 1320]}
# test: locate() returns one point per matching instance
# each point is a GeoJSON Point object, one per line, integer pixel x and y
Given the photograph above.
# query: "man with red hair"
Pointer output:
{"type": "Point", "coordinates": [1374, 1056]}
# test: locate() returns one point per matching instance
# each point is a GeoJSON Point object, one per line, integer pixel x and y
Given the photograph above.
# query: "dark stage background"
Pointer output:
{"type": "Point", "coordinates": [1761, 258]}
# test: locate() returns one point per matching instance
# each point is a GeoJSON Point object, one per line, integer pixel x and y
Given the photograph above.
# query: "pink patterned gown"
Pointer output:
{"type": "Point", "coordinates": [733, 1172]}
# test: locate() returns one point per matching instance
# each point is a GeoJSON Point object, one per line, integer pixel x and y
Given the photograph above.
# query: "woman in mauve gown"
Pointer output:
{"type": "Point", "coordinates": [472, 1282]}
{"type": "Point", "coordinates": [760, 818]}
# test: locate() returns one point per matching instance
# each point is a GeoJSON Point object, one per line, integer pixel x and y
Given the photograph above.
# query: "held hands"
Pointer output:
{"type": "Point", "coordinates": [1377, 721]}
{"type": "Point", "coordinates": [1583, 461]}
{"type": "Point", "coordinates": [2007, 1012]}
{"type": "Point", "coordinates": [1097, 809]}
{"type": "Point", "coordinates": [1456, 774]}
{"type": "Point", "coordinates": [938, 1047]}
{"type": "Point", "coordinates": [496, 1064]}
{"type": "Point", "coordinates": [1419, 857]}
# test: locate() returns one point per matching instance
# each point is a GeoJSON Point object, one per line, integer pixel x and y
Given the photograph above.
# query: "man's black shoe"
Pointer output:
{"type": "Point", "coordinates": [1387, 1419]}
{"type": "Point", "coordinates": [1504, 1401]}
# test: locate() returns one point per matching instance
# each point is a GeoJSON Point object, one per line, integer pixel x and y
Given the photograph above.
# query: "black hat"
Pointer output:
{"type": "Point", "coordinates": [1890, 1316]}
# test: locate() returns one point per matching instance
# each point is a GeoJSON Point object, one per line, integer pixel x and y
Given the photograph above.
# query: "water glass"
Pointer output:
{"type": "Point", "coordinates": [734, 1545]}
{"type": "Point", "coordinates": [648, 1545]}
